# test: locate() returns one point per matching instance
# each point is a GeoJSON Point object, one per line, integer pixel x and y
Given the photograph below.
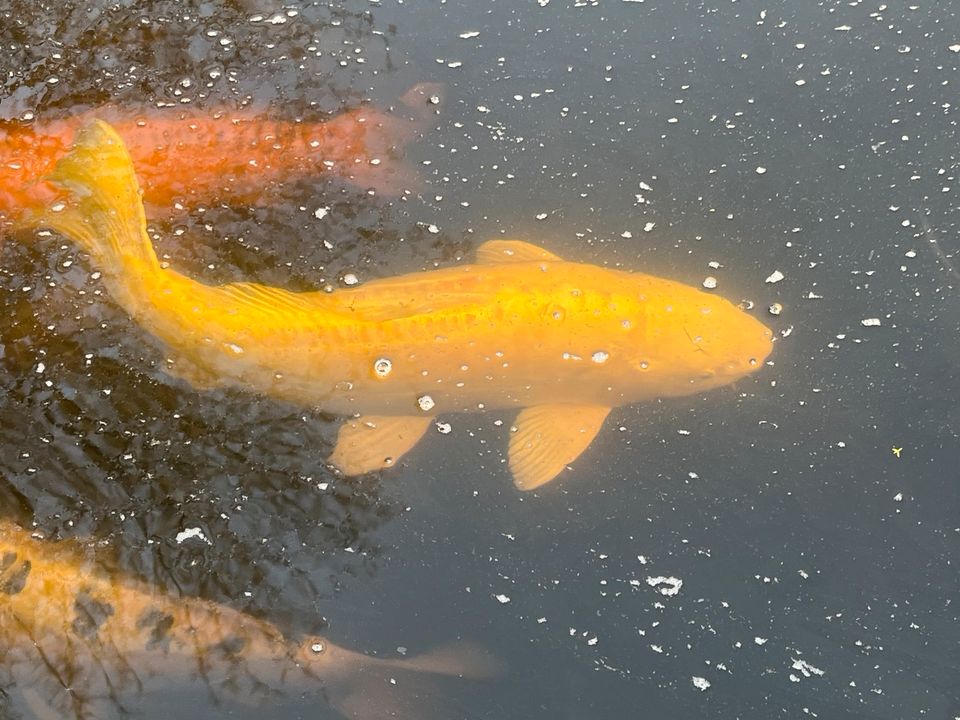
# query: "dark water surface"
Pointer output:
{"type": "Point", "coordinates": [819, 568]}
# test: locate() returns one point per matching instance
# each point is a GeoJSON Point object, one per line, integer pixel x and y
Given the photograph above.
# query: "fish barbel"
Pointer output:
{"type": "Point", "coordinates": [561, 342]}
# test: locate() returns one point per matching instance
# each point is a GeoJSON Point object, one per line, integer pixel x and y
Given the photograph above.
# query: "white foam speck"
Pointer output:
{"type": "Point", "coordinates": [668, 586]}
{"type": "Point", "coordinates": [193, 532]}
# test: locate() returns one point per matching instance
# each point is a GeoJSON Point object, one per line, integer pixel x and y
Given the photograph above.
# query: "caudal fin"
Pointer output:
{"type": "Point", "coordinates": [103, 211]}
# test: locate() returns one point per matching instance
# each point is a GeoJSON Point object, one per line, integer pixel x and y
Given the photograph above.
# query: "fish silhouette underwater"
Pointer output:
{"type": "Point", "coordinates": [82, 641]}
{"type": "Point", "coordinates": [561, 342]}
{"type": "Point", "coordinates": [196, 157]}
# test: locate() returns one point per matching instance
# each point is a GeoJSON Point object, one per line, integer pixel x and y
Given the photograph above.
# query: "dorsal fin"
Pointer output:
{"type": "Point", "coordinates": [273, 299]}
{"type": "Point", "coordinates": [505, 251]}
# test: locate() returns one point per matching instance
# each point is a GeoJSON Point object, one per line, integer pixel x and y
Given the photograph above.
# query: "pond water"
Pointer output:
{"type": "Point", "coordinates": [782, 547]}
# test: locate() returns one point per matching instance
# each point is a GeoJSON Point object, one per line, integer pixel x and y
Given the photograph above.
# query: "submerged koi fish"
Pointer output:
{"type": "Point", "coordinates": [197, 157]}
{"type": "Point", "coordinates": [562, 342]}
{"type": "Point", "coordinates": [83, 639]}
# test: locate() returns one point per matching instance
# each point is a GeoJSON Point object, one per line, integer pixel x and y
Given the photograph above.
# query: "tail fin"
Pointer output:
{"type": "Point", "coordinates": [104, 211]}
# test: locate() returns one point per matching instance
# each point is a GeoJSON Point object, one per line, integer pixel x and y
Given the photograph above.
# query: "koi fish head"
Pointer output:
{"type": "Point", "coordinates": [697, 341]}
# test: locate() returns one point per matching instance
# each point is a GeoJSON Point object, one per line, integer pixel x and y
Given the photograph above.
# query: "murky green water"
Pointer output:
{"type": "Point", "coordinates": [818, 568]}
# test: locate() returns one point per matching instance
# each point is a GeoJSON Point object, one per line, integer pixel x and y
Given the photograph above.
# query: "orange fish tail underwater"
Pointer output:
{"type": "Point", "coordinates": [234, 155]}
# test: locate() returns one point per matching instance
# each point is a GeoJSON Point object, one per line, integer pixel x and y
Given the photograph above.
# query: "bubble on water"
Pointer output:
{"type": "Point", "coordinates": [600, 356]}
{"type": "Point", "coordinates": [317, 648]}
{"type": "Point", "coordinates": [382, 367]}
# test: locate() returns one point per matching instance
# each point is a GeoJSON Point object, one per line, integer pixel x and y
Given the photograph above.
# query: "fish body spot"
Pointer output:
{"type": "Point", "coordinates": [90, 615]}
{"type": "Point", "coordinates": [232, 645]}
{"type": "Point", "coordinates": [160, 624]}
{"type": "Point", "coordinates": [15, 581]}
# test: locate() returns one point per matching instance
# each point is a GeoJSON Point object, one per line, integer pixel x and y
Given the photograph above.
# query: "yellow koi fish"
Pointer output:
{"type": "Point", "coordinates": [78, 639]}
{"type": "Point", "coordinates": [562, 342]}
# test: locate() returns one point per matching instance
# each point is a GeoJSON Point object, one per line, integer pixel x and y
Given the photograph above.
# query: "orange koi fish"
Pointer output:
{"type": "Point", "coordinates": [78, 639]}
{"type": "Point", "coordinates": [561, 342]}
{"type": "Point", "coordinates": [195, 157]}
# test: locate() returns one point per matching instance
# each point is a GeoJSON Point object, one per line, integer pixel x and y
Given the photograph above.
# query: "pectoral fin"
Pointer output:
{"type": "Point", "coordinates": [373, 442]}
{"type": "Point", "coordinates": [197, 377]}
{"type": "Point", "coordinates": [548, 437]}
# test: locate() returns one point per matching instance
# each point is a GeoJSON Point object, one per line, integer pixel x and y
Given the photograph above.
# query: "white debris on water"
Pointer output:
{"type": "Point", "coordinates": [502, 599]}
{"type": "Point", "coordinates": [805, 668]}
{"type": "Point", "coordinates": [668, 586]}
{"type": "Point", "coordinates": [350, 279]}
{"type": "Point", "coordinates": [710, 282]}
{"type": "Point", "coordinates": [870, 322]}
{"type": "Point", "coordinates": [444, 428]}
{"type": "Point", "coordinates": [955, 48]}
{"type": "Point", "coordinates": [190, 533]}
{"type": "Point", "coordinates": [775, 309]}
{"type": "Point", "coordinates": [775, 277]}
{"type": "Point", "coordinates": [321, 212]}
{"type": "Point", "coordinates": [469, 34]}
{"type": "Point", "coordinates": [649, 226]}
{"type": "Point", "coordinates": [761, 170]}
{"type": "Point", "coordinates": [700, 683]}
{"type": "Point", "coordinates": [426, 403]}
{"type": "Point", "coordinates": [759, 640]}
